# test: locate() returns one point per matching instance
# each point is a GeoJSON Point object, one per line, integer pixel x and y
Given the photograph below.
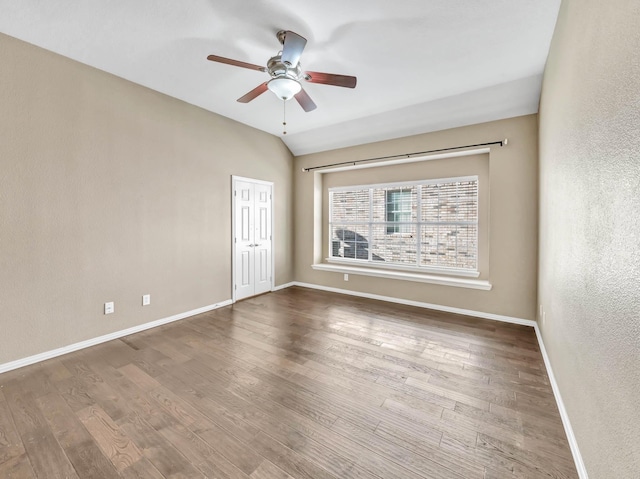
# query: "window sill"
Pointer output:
{"type": "Point", "coordinates": [432, 271]}
{"type": "Point", "coordinates": [406, 276]}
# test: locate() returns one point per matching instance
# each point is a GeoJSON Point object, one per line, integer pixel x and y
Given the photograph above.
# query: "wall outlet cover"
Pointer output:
{"type": "Point", "coordinates": [109, 307]}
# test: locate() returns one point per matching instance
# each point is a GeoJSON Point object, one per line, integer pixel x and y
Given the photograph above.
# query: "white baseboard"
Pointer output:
{"type": "Point", "coordinates": [573, 443]}
{"type": "Point", "coordinates": [18, 363]}
{"type": "Point", "coordinates": [283, 286]}
{"type": "Point", "coordinates": [419, 304]}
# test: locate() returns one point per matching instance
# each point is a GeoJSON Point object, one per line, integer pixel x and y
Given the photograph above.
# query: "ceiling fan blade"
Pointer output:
{"type": "Point", "coordinates": [237, 63]}
{"type": "Point", "coordinates": [305, 101]}
{"type": "Point", "coordinates": [292, 48]}
{"type": "Point", "coordinates": [257, 91]}
{"type": "Point", "coordinates": [331, 79]}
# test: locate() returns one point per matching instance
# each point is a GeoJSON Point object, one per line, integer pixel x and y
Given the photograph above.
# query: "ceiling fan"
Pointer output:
{"type": "Point", "coordinates": [286, 73]}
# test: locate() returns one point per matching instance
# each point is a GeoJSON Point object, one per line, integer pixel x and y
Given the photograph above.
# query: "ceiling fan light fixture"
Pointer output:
{"type": "Point", "coordinates": [284, 87]}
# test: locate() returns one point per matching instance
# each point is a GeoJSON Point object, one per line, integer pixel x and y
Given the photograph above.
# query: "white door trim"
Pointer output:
{"type": "Point", "coordinates": [234, 179]}
{"type": "Point", "coordinates": [250, 180]}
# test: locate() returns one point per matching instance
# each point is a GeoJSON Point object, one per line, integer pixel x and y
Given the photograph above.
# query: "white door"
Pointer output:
{"type": "Point", "coordinates": [252, 237]}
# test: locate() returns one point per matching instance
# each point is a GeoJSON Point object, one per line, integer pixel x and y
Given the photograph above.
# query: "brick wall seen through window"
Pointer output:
{"type": "Point", "coordinates": [432, 223]}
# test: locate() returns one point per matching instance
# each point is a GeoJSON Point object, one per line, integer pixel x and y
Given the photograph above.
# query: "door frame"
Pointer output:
{"type": "Point", "coordinates": [235, 178]}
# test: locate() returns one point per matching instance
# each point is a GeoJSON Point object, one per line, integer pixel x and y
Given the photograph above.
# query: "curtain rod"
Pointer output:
{"type": "Point", "coordinates": [406, 155]}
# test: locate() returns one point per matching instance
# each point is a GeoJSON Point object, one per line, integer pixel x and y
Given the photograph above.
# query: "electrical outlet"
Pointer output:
{"type": "Point", "coordinates": [346, 277]}
{"type": "Point", "coordinates": [146, 300]}
{"type": "Point", "coordinates": [109, 307]}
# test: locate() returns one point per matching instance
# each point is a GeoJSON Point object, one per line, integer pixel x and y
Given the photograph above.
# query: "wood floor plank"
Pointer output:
{"type": "Point", "coordinates": [46, 456]}
{"type": "Point", "coordinates": [549, 428]}
{"type": "Point", "coordinates": [213, 404]}
{"type": "Point", "coordinates": [139, 377]}
{"type": "Point", "coordinates": [141, 469]}
{"type": "Point", "coordinates": [253, 389]}
{"type": "Point", "coordinates": [10, 442]}
{"type": "Point", "coordinates": [314, 441]}
{"type": "Point", "coordinates": [536, 462]}
{"type": "Point", "coordinates": [230, 447]}
{"type": "Point", "coordinates": [321, 454]}
{"type": "Point", "coordinates": [213, 425]}
{"type": "Point", "coordinates": [420, 465]}
{"type": "Point", "coordinates": [500, 464]}
{"type": "Point", "coordinates": [85, 455]}
{"type": "Point", "coordinates": [17, 467]}
{"type": "Point", "coordinates": [94, 386]}
{"type": "Point", "coordinates": [267, 470]}
{"type": "Point", "coordinates": [37, 382]}
{"type": "Point", "coordinates": [157, 449]}
{"type": "Point", "coordinates": [317, 452]}
{"type": "Point", "coordinates": [55, 370]}
{"type": "Point", "coordinates": [75, 393]}
{"type": "Point", "coordinates": [159, 432]}
{"type": "Point", "coordinates": [293, 384]}
{"type": "Point", "coordinates": [287, 459]}
{"type": "Point", "coordinates": [551, 440]}
{"type": "Point", "coordinates": [414, 440]}
{"type": "Point", "coordinates": [113, 442]}
{"type": "Point", "coordinates": [208, 460]}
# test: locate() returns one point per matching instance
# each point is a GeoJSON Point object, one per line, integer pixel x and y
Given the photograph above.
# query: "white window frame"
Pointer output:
{"type": "Point", "coordinates": [369, 263]}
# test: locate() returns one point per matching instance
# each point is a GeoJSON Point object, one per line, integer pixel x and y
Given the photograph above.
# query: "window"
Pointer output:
{"type": "Point", "coordinates": [429, 225]}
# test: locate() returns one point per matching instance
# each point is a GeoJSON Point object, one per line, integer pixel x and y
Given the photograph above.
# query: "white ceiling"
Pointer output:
{"type": "Point", "coordinates": [422, 65]}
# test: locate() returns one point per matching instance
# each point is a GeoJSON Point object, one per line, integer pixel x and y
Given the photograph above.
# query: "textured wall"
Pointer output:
{"type": "Point", "coordinates": [109, 191]}
{"type": "Point", "coordinates": [590, 228]}
{"type": "Point", "coordinates": [511, 262]}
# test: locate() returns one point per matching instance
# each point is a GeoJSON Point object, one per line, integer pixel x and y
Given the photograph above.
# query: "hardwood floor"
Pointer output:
{"type": "Point", "coordinates": [293, 384]}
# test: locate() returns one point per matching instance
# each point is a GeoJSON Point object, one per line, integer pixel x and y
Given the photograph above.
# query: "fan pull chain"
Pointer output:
{"type": "Point", "coordinates": [284, 117]}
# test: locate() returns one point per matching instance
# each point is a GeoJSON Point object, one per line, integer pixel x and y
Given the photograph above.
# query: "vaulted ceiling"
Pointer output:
{"type": "Point", "coordinates": [422, 65]}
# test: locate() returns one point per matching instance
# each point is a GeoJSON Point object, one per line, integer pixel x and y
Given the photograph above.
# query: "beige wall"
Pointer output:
{"type": "Point", "coordinates": [512, 251]}
{"type": "Point", "coordinates": [109, 191]}
{"type": "Point", "coordinates": [590, 228]}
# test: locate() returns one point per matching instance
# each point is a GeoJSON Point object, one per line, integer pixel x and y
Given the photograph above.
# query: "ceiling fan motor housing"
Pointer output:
{"type": "Point", "coordinates": [276, 68]}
